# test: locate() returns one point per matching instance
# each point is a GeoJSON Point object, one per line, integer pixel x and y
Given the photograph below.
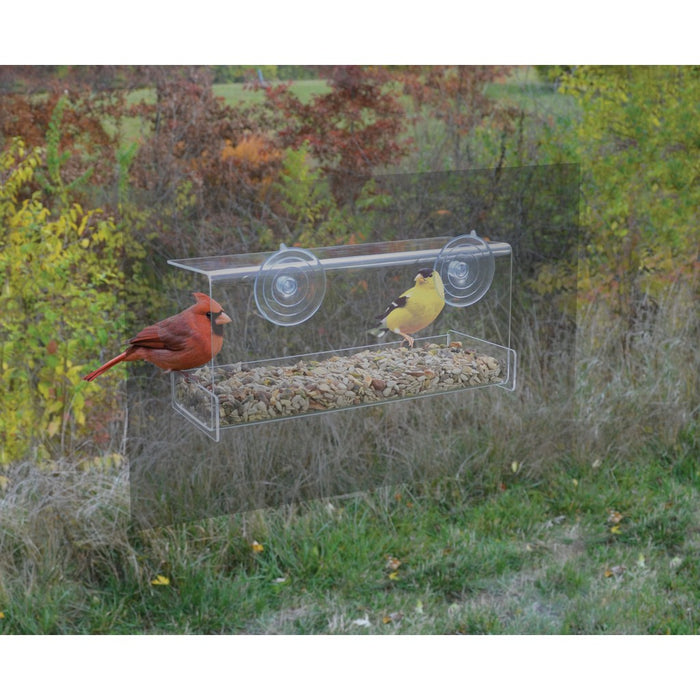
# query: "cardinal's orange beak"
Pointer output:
{"type": "Point", "coordinates": [221, 319]}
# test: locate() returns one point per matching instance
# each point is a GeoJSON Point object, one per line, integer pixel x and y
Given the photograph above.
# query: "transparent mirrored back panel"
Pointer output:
{"type": "Point", "coordinates": [300, 344]}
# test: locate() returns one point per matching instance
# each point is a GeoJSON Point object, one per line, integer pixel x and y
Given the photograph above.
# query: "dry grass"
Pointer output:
{"type": "Point", "coordinates": [640, 382]}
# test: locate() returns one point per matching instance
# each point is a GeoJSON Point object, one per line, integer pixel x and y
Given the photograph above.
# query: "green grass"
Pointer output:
{"type": "Point", "coordinates": [522, 558]}
{"type": "Point", "coordinates": [525, 90]}
{"type": "Point", "coordinates": [235, 93]}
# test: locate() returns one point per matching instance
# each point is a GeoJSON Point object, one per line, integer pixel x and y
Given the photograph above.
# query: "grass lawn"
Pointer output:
{"type": "Point", "coordinates": [593, 548]}
{"type": "Point", "coordinates": [234, 93]}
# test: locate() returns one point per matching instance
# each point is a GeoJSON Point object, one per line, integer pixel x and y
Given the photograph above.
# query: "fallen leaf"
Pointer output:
{"type": "Point", "coordinates": [616, 529]}
{"type": "Point", "coordinates": [257, 547]}
{"type": "Point", "coordinates": [392, 617]}
{"type": "Point", "coordinates": [160, 580]}
{"type": "Point", "coordinates": [555, 521]}
{"type": "Point", "coordinates": [514, 466]}
{"type": "Point", "coordinates": [614, 517]}
{"type": "Point", "coordinates": [362, 622]}
{"type": "Point", "coordinates": [392, 563]}
{"type": "Point", "coordinates": [615, 571]}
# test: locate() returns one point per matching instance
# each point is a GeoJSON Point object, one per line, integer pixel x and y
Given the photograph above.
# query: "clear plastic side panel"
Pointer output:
{"type": "Point", "coordinates": [193, 398]}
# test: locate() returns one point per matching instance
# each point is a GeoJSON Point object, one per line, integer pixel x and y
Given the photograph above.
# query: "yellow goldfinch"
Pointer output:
{"type": "Point", "coordinates": [415, 308]}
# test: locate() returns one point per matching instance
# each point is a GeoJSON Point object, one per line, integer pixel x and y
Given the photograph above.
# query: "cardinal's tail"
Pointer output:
{"type": "Point", "coordinates": [105, 367]}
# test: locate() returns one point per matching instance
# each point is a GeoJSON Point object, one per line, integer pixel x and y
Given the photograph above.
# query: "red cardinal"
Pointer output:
{"type": "Point", "coordinates": [188, 339]}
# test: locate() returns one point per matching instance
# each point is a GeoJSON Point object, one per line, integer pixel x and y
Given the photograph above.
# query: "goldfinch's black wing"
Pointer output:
{"type": "Point", "coordinates": [396, 304]}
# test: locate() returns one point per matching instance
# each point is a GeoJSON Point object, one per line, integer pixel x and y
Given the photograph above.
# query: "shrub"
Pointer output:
{"type": "Point", "coordinates": [59, 269]}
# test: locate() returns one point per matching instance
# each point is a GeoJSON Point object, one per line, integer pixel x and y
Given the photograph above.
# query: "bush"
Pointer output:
{"type": "Point", "coordinates": [60, 268]}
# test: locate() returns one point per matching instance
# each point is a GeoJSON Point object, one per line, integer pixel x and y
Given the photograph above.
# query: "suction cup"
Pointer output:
{"type": "Point", "coordinates": [466, 266]}
{"type": "Point", "coordinates": [290, 286]}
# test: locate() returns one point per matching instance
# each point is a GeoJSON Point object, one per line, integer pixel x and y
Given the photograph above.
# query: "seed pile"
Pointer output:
{"type": "Point", "coordinates": [249, 394]}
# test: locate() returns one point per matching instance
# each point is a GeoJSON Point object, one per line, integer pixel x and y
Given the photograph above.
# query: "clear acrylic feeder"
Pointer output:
{"type": "Point", "coordinates": [298, 344]}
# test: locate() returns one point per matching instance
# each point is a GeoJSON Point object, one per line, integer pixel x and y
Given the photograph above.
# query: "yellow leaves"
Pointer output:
{"type": "Point", "coordinates": [257, 547]}
{"type": "Point", "coordinates": [2, 615]}
{"type": "Point", "coordinates": [45, 389]}
{"type": "Point", "coordinates": [160, 580]}
{"type": "Point", "coordinates": [53, 427]}
{"type": "Point", "coordinates": [615, 571]}
{"type": "Point", "coordinates": [614, 519]}
{"type": "Point", "coordinates": [103, 463]}
{"type": "Point", "coordinates": [62, 268]}
{"type": "Point", "coordinates": [392, 566]}
{"type": "Point", "coordinates": [394, 617]}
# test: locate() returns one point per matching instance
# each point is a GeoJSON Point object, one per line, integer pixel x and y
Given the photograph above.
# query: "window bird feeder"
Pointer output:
{"type": "Point", "coordinates": [298, 343]}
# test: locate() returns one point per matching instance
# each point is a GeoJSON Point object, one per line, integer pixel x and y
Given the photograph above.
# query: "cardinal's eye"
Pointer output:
{"type": "Point", "coordinates": [208, 314]}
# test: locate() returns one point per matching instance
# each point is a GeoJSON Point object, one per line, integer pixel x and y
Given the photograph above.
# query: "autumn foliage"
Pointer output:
{"type": "Point", "coordinates": [61, 273]}
{"type": "Point", "coordinates": [353, 128]}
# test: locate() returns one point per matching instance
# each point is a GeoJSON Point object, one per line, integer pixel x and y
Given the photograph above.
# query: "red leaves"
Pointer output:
{"type": "Point", "coordinates": [353, 128]}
